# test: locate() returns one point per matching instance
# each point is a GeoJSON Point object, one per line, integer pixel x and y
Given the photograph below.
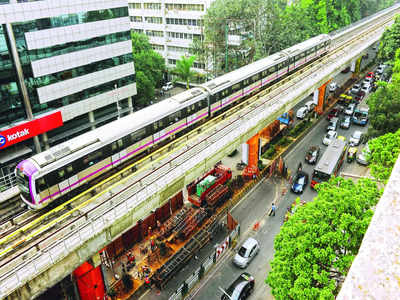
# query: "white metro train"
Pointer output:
{"type": "Point", "coordinates": [60, 170]}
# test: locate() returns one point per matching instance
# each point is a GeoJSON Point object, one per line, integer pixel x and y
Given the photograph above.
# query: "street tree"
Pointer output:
{"type": "Point", "coordinates": [149, 67]}
{"type": "Point", "coordinates": [390, 42]}
{"type": "Point", "coordinates": [316, 246]}
{"type": "Point", "coordinates": [183, 69]}
{"type": "Point", "coordinates": [385, 151]}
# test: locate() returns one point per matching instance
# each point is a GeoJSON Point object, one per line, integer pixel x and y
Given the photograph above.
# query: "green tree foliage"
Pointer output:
{"type": "Point", "coordinates": [384, 153]}
{"type": "Point", "coordinates": [149, 66]}
{"type": "Point", "coordinates": [384, 105]}
{"type": "Point", "coordinates": [316, 246]}
{"type": "Point", "coordinates": [390, 42]}
{"type": "Point", "coordinates": [268, 26]}
{"type": "Point", "coordinates": [183, 69]}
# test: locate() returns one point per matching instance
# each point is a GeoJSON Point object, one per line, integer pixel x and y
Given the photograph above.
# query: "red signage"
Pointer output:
{"type": "Point", "coordinates": [30, 129]}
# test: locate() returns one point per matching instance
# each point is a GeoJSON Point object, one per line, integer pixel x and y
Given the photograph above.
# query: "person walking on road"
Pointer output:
{"type": "Point", "coordinates": [273, 209]}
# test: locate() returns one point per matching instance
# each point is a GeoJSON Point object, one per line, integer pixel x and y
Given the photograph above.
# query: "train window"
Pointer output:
{"type": "Point", "coordinates": [40, 185]}
{"type": "Point", "coordinates": [114, 147]}
{"type": "Point", "coordinates": [204, 103]}
{"type": "Point", "coordinates": [120, 144]}
{"type": "Point", "coordinates": [272, 70]}
{"type": "Point", "coordinates": [51, 179]}
{"type": "Point", "coordinates": [246, 82]}
{"type": "Point", "coordinates": [126, 141]}
{"type": "Point", "coordinates": [138, 135]}
{"type": "Point", "coordinates": [61, 174]}
{"type": "Point", "coordinates": [70, 170]}
{"type": "Point", "coordinates": [264, 73]}
{"type": "Point", "coordinates": [214, 99]}
{"type": "Point", "coordinates": [225, 93]}
{"type": "Point", "coordinates": [236, 87]}
{"type": "Point", "coordinates": [93, 158]}
{"type": "Point", "coordinates": [155, 126]}
{"type": "Point", "coordinates": [256, 77]}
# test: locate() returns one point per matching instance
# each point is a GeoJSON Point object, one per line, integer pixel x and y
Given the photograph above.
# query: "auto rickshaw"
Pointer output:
{"type": "Point", "coordinates": [345, 99]}
{"type": "Point", "coordinates": [351, 154]}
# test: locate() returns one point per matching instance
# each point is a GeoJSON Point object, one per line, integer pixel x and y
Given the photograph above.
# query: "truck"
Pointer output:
{"type": "Point", "coordinates": [360, 116]}
{"type": "Point", "coordinates": [201, 191]}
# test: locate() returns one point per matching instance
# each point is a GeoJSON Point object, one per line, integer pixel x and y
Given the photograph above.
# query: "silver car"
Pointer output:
{"type": "Point", "coordinates": [246, 253]}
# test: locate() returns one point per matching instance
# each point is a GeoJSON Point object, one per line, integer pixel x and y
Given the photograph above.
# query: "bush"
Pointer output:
{"type": "Point", "coordinates": [284, 141]}
{"type": "Point", "coordinates": [270, 153]}
{"type": "Point", "coordinates": [299, 128]}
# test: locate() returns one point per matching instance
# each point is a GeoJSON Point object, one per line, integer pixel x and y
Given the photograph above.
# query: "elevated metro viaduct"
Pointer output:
{"type": "Point", "coordinates": [36, 273]}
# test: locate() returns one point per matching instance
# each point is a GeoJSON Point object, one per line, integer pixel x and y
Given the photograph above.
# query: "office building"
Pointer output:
{"type": "Point", "coordinates": [171, 26]}
{"type": "Point", "coordinates": [66, 67]}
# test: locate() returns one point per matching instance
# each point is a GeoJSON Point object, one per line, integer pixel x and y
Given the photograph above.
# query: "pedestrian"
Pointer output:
{"type": "Point", "coordinates": [273, 208]}
{"type": "Point", "coordinates": [123, 268]}
{"type": "Point", "coordinates": [147, 282]}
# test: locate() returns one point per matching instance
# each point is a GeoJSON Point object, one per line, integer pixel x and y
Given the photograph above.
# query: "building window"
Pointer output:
{"type": "Point", "coordinates": [135, 5]}
{"type": "Point", "coordinates": [199, 65]}
{"type": "Point", "coordinates": [157, 47]}
{"type": "Point", "coordinates": [154, 20]}
{"type": "Point", "coordinates": [154, 33]}
{"type": "Point", "coordinates": [188, 22]}
{"type": "Point", "coordinates": [136, 19]}
{"type": "Point", "coordinates": [172, 61]}
{"type": "Point", "coordinates": [187, 7]}
{"type": "Point", "coordinates": [178, 49]}
{"type": "Point", "coordinates": [155, 6]}
{"type": "Point", "coordinates": [138, 30]}
{"type": "Point", "coordinates": [181, 35]}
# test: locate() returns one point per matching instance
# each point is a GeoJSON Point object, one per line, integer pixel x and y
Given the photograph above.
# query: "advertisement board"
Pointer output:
{"type": "Point", "coordinates": [30, 129]}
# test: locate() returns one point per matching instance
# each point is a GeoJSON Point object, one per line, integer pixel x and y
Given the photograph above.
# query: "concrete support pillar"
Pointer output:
{"type": "Point", "coordinates": [45, 139]}
{"type": "Point", "coordinates": [130, 104]}
{"type": "Point", "coordinates": [321, 98]}
{"type": "Point", "coordinates": [355, 66]}
{"type": "Point", "coordinates": [91, 120]}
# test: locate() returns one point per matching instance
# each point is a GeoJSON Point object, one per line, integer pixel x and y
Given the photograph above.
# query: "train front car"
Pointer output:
{"type": "Point", "coordinates": [25, 173]}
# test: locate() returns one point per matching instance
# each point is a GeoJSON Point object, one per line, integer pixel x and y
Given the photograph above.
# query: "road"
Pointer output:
{"type": "Point", "coordinates": [254, 210]}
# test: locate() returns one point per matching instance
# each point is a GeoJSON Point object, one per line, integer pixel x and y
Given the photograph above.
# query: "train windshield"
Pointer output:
{"type": "Point", "coordinates": [23, 185]}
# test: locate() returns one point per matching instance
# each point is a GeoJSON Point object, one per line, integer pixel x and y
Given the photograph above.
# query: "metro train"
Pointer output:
{"type": "Point", "coordinates": [59, 171]}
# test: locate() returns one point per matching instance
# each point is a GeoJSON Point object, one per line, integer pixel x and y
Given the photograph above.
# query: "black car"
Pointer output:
{"type": "Point", "coordinates": [312, 154]}
{"type": "Point", "coordinates": [241, 288]}
{"type": "Point", "coordinates": [299, 182]}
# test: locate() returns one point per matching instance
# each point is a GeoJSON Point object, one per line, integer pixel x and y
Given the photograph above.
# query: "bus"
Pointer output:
{"type": "Point", "coordinates": [330, 162]}
{"type": "Point", "coordinates": [360, 116]}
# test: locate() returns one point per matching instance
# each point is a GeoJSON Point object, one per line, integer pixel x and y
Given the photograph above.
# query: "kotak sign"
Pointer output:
{"type": "Point", "coordinates": [29, 129]}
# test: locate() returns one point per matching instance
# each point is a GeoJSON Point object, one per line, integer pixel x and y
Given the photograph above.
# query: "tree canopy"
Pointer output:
{"type": "Point", "coordinates": [384, 104]}
{"type": "Point", "coordinates": [385, 151]}
{"type": "Point", "coordinates": [268, 26]}
{"type": "Point", "coordinates": [390, 42]}
{"type": "Point", "coordinates": [316, 246]}
{"type": "Point", "coordinates": [183, 69]}
{"type": "Point", "coordinates": [149, 66]}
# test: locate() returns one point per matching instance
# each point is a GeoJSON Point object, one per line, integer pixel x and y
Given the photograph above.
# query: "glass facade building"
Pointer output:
{"type": "Point", "coordinates": [70, 58]}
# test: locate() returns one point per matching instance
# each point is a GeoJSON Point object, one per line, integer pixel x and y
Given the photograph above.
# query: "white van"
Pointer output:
{"type": "Point", "coordinates": [310, 105]}
{"type": "Point", "coordinates": [302, 112]}
{"type": "Point", "coordinates": [363, 155]}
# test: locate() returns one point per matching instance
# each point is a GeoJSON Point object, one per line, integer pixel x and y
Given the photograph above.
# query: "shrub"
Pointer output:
{"type": "Point", "coordinates": [270, 152]}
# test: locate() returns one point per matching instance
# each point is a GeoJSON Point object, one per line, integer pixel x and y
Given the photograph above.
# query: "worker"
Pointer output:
{"type": "Point", "coordinates": [147, 282]}
{"type": "Point", "coordinates": [152, 244]}
{"type": "Point", "coordinates": [131, 261]}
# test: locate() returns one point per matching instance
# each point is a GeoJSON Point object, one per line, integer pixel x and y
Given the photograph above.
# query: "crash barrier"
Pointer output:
{"type": "Point", "coordinates": [197, 275]}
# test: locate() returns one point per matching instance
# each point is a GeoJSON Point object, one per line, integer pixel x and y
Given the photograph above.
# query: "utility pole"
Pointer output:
{"type": "Point", "coordinates": [226, 47]}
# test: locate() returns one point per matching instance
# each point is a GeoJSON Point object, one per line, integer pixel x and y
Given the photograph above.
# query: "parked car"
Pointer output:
{"type": "Point", "coordinates": [350, 109]}
{"type": "Point", "coordinates": [356, 89]}
{"type": "Point", "coordinates": [300, 182]}
{"type": "Point", "coordinates": [362, 156]}
{"type": "Point", "coordinates": [355, 138]}
{"type": "Point", "coordinates": [368, 80]}
{"type": "Point", "coordinates": [345, 124]}
{"type": "Point", "coordinates": [380, 69]}
{"type": "Point", "coordinates": [333, 87]}
{"type": "Point", "coordinates": [333, 124]}
{"type": "Point", "coordinates": [246, 253]}
{"type": "Point", "coordinates": [310, 105]}
{"type": "Point", "coordinates": [312, 154]}
{"type": "Point", "coordinates": [240, 289]}
{"type": "Point", "coordinates": [331, 135]}
{"type": "Point", "coordinates": [346, 70]}
{"type": "Point", "coordinates": [334, 113]}
{"type": "Point", "coordinates": [168, 86]}
{"type": "Point", "coordinates": [302, 112]}
{"type": "Point", "coordinates": [366, 88]}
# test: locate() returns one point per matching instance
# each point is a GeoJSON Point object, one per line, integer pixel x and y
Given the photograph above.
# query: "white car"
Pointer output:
{"type": "Point", "coordinates": [302, 112]}
{"type": "Point", "coordinates": [168, 86]}
{"type": "Point", "coordinates": [380, 69]}
{"type": "Point", "coordinates": [330, 136]}
{"type": "Point", "coordinates": [362, 157]}
{"type": "Point", "coordinates": [246, 253]}
{"type": "Point", "coordinates": [355, 138]}
{"type": "Point", "coordinates": [356, 88]}
{"type": "Point", "coordinates": [366, 88]}
{"type": "Point", "coordinates": [350, 109]}
{"type": "Point", "coordinates": [333, 86]}
{"type": "Point", "coordinates": [310, 105]}
{"type": "Point", "coordinates": [368, 80]}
